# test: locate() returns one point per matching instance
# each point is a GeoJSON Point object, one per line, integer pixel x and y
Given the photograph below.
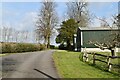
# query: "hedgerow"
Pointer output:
{"type": "Point", "coordinates": [21, 47]}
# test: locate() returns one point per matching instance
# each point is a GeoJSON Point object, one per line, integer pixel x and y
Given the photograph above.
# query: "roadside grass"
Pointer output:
{"type": "Point", "coordinates": [69, 65]}
{"type": "Point", "coordinates": [6, 54]}
{"type": "Point", "coordinates": [2, 55]}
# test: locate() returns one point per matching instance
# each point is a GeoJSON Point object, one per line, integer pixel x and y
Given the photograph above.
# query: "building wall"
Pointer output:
{"type": "Point", "coordinates": [101, 36]}
{"type": "Point", "coordinates": [78, 40]}
{"type": "Point", "coordinates": [97, 50]}
{"type": "Point", "coordinates": [84, 36]}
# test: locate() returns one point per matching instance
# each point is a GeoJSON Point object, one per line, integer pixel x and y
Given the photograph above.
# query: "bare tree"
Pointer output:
{"type": "Point", "coordinates": [78, 11]}
{"type": "Point", "coordinates": [104, 23]}
{"type": "Point", "coordinates": [16, 35]}
{"type": "Point", "coordinates": [4, 34]}
{"type": "Point", "coordinates": [23, 36]}
{"type": "Point", "coordinates": [113, 40]}
{"type": "Point", "coordinates": [0, 34]}
{"type": "Point", "coordinates": [9, 34]}
{"type": "Point", "coordinates": [47, 20]}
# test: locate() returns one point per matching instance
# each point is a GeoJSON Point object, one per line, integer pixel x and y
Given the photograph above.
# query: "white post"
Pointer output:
{"type": "Point", "coordinates": [87, 57]}
{"type": "Point", "coordinates": [75, 42]}
{"type": "Point", "coordinates": [81, 38]}
{"type": "Point", "coordinates": [109, 65]}
{"type": "Point", "coordinates": [83, 56]}
{"type": "Point", "coordinates": [115, 51]}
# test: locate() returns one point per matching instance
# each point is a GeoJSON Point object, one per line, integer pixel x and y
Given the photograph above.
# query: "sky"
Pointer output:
{"type": "Point", "coordinates": [23, 15]}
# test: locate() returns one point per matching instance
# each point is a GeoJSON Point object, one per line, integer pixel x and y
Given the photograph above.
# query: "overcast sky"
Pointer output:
{"type": "Point", "coordinates": [23, 15]}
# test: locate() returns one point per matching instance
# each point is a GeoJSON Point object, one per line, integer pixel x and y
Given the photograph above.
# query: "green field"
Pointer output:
{"type": "Point", "coordinates": [70, 66]}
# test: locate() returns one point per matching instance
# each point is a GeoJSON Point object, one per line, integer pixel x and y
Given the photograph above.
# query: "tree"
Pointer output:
{"type": "Point", "coordinates": [78, 11]}
{"type": "Point", "coordinates": [4, 34]}
{"type": "Point", "coordinates": [68, 28]}
{"type": "Point", "coordinates": [103, 23]}
{"type": "Point", "coordinates": [10, 34]}
{"type": "Point", "coordinates": [47, 21]}
{"type": "Point", "coordinates": [113, 40]}
{"type": "Point", "coordinates": [116, 21]}
{"type": "Point", "coordinates": [0, 34]}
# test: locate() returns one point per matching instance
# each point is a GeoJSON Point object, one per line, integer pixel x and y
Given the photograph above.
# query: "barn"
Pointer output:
{"type": "Point", "coordinates": [84, 35]}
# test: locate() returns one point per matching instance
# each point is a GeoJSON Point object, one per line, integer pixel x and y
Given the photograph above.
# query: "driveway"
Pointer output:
{"type": "Point", "coordinates": [29, 65]}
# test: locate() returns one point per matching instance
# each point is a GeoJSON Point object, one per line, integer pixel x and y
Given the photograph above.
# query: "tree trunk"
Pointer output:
{"type": "Point", "coordinates": [48, 43]}
{"type": "Point", "coordinates": [45, 42]}
{"type": "Point", "coordinates": [68, 45]}
{"type": "Point", "coordinates": [112, 52]}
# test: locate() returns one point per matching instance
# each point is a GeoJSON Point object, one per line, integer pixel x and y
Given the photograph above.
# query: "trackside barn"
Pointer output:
{"type": "Point", "coordinates": [84, 35]}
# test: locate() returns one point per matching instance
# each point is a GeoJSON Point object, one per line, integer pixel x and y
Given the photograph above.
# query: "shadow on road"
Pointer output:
{"type": "Point", "coordinates": [45, 74]}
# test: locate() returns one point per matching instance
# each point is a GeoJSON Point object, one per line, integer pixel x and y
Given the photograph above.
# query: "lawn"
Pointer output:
{"type": "Point", "coordinates": [104, 66]}
{"type": "Point", "coordinates": [69, 66]}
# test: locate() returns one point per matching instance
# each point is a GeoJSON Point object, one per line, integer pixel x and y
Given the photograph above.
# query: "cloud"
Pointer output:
{"type": "Point", "coordinates": [25, 22]}
{"type": "Point", "coordinates": [0, 14]}
{"type": "Point", "coordinates": [103, 9]}
{"type": "Point", "coordinates": [98, 6]}
{"type": "Point", "coordinates": [28, 21]}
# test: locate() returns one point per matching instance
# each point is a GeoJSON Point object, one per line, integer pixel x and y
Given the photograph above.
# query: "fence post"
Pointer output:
{"type": "Point", "coordinates": [84, 56]}
{"type": "Point", "coordinates": [109, 65]}
{"type": "Point", "coordinates": [94, 58]}
{"type": "Point", "coordinates": [87, 57]}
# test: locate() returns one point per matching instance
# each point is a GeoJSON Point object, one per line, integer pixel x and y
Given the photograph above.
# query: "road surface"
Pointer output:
{"type": "Point", "coordinates": [29, 65]}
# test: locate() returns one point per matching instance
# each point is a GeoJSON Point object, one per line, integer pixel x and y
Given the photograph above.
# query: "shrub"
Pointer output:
{"type": "Point", "coordinates": [6, 48]}
{"type": "Point", "coordinates": [62, 47]}
{"type": "Point", "coordinates": [52, 47]}
{"type": "Point", "coordinates": [42, 46]}
{"type": "Point", "coordinates": [21, 47]}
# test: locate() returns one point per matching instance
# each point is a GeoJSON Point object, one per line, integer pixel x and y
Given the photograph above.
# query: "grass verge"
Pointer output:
{"type": "Point", "coordinates": [1, 55]}
{"type": "Point", "coordinates": [69, 66]}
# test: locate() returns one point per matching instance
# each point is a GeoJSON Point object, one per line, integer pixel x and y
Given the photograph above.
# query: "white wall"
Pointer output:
{"type": "Point", "coordinates": [97, 50]}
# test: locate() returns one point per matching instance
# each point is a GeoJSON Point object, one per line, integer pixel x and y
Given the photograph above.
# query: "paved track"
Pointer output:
{"type": "Point", "coordinates": [29, 65]}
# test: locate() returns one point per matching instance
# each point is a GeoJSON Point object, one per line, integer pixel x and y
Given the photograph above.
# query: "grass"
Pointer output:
{"type": "Point", "coordinates": [5, 54]}
{"type": "Point", "coordinates": [2, 55]}
{"type": "Point", "coordinates": [69, 66]}
{"type": "Point", "coordinates": [104, 66]}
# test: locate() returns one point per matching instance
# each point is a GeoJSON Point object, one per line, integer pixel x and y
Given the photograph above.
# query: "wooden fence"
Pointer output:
{"type": "Point", "coordinates": [85, 58]}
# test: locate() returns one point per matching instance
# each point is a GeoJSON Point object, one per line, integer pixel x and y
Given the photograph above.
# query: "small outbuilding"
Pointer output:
{"type": "Point", "coordinates": [98, 34]}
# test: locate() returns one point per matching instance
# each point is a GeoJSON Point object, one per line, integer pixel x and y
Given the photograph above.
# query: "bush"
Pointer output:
{"type": "Point", "coordinates": [62, 47]}
{"type": "Point", "coordinates": [21, 47]}
{"type": "Point", "coordinates": [6, 48]}
{"type": "Point", "coordinates": [52, 47]}
{"type": "Point", "coordinates": [42, 47]}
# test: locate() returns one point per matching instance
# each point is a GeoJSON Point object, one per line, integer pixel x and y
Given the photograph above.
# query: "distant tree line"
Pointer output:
{"type": "Point", "coordinates": [9, 34]}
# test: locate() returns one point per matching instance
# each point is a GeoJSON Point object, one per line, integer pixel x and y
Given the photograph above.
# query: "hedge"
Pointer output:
{"type": "Point", "coordinates": [21, 47]}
